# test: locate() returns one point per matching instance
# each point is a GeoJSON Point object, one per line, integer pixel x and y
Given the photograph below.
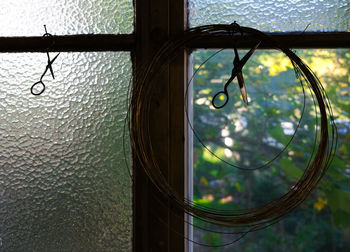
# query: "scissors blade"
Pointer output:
{"type": "Point", "coordinates": [55, 58]}
{"type": "Point", "coordinates": [242, 87]}
{"type": "Point", "coordinates": [51, 71]}
{"type": "Point", "coordinates": [240, 78]}
{"type": "Point", "coordinates": [50, 65]}
{"type": "Point", "coordinates": [247, 56]}
{"type": "Point", "coordinates": [244, 60]}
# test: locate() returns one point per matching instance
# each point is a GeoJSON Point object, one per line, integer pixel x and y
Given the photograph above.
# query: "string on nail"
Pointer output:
{"type": "Point", "coordinates": [249, 219]}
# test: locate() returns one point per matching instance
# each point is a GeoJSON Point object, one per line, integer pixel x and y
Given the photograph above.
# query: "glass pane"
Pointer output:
{"type": "Point", "coordinates": [64, 17]}
{"type": "Point", "coordinates": [249, 136]}
{"type": "Point", "coordinates": [281, 15]}
{"type": "Point", "coordinates": [64, 185]}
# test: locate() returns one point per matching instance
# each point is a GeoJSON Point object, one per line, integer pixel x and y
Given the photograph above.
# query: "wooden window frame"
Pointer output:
{"type": "Point", "coordinates": [155, 226]}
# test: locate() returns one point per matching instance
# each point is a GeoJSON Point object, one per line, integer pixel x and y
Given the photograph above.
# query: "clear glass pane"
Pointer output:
{"type": "Point", "coordinates": [64, 184]}
{"type": "Point", "coordinates": [281, 15]}
{"type": "Point", "coordinates": [249, 136]}
{"type": "Point", "coordinates": [63, 17]}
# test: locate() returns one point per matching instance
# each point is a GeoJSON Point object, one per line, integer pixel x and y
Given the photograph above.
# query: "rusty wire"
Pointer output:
{"type": "Point", "coordinates": [247, 219]}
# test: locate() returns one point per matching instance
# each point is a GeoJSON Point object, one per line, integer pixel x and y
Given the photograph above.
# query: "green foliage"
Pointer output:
{"type": "Point", "coordinates": [212, 238]}
{"type": "Point", "coordinates": [249, 136]}
{"type": "Point", "coordinates": [290, 169]}
{"type": "Point", "coordinates": [339, 200]}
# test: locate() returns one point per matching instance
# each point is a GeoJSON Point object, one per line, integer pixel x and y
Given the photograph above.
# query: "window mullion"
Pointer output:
{"type": "Point", "coordinates": [156, 226]}
{"type": "Point", "coordinates": [127, 42]}
{"type": "Point", "coordinates": [69, 43]}
{"type": "Point", "coordinates": [287, 39]}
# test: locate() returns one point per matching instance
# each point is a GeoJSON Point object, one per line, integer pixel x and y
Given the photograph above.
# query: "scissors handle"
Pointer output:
{"type": "Point", "coordinates": [217, 95]}
{"type": "Point", "coordinates": [35, 84]}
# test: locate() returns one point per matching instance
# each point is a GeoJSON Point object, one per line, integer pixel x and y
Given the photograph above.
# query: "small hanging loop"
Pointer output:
{"type": "Point", "coordinates": [36, 84]}
{"type": "Point", "coordinates": [46, 36]}
{"type": "Point", "coordinates": [223, 94]}
{"type": "Point", "coordinates": [235, 28]}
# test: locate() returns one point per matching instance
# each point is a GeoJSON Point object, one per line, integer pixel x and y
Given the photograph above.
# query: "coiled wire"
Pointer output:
{"type": "Point", "coordinates": [248, 219]}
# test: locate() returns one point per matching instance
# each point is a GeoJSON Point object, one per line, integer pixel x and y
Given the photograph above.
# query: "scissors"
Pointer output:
{"type": "Point", "coordinates": [48, 67]}
{"type": "Point", "coordinates": [236, 71]}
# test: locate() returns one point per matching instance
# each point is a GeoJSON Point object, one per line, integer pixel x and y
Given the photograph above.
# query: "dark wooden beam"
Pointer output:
{"type": "Point", "coordinates": [158, 226]}
{"type": "Point", "coordinates": [287, 39]}
{"type": "Point", "coordinates": [69, 43]}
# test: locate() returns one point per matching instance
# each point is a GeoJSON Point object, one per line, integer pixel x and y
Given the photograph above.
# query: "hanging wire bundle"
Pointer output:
{"type": "Point", "coordinates": [247, 219]}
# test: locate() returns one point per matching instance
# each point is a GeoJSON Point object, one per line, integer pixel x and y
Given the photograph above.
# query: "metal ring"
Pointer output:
{"type": "Point", "coordinates": [216, 95]}
{"type": "Point", "coordinates": [37, 83]}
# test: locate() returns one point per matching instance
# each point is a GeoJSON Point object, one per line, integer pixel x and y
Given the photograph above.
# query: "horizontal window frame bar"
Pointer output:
{"type": "Point", "coordinates": [69, 43]}
{"type": "Point", "coordinates": [127, 42]}
{"type": "Point", "coordinates": [294, 40]}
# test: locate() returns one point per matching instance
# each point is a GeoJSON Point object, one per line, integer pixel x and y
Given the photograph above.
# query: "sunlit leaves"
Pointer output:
{"type": "Point", "coordinates": [204, 181]}
{"type": "Point", "coordinates": [276, 62]}
{"type": "Point", "coordinates": [320, 204]}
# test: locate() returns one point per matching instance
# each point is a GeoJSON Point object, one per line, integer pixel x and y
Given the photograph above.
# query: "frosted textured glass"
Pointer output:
{"type": "Point", "coordinates": [64, 185]}
{"type": "Point", "coordinates": [62, 17]}
{"type": "Point", "coordinates": [280, 15]}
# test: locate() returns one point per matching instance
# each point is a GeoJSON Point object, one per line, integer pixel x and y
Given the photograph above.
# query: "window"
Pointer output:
{"type": "Point", "coordinates": [155, 226]}
{"type": "Point", "coordinates": [64, 185]}
{"type": "Point", "coordinates": [249, 136]}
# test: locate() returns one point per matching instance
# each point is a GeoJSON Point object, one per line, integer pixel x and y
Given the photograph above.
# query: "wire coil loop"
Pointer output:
{"type": "Point", "coordinates": [247, 219]}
